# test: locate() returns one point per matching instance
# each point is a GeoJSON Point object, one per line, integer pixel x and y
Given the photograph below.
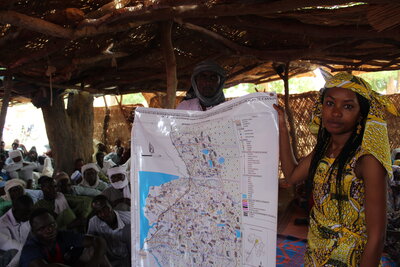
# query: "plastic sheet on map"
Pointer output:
{"type": "Point", "coordinates": [205, 185]}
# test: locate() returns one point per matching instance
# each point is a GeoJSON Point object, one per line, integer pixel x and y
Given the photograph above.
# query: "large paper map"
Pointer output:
{"type": "Point", "coordinates": [206, 185]}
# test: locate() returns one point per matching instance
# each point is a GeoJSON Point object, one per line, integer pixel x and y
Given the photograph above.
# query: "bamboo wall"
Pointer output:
{"type": "Point", "coordinates": [301, 105]}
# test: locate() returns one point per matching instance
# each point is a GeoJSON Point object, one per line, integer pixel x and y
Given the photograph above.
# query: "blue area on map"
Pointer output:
{"type": "Point", "coordinates": [219, 212]}
{"type": "Point", "coordinates": [210, 163]}
{"type": "Point", "coordinates": [238, 233]}
{"type": "Point", "coordinates": [221, 224]}
{"type": "Point", "coordinates": [205, 151]}
{"type": "Point", "coordinates": [221, 160]}
{"type": "Point", "coordinates": [147, 180]}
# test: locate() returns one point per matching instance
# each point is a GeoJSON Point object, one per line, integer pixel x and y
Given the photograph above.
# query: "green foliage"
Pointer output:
{"type": "Point", "coordinates": [296, 85]}
{"type": "Point", "coordinates": [134, 99]}
{"type": "Point", "coordinates": [378, 80]}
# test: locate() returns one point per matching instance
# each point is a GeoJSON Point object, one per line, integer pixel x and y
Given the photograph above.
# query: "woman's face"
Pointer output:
{"type": "Point", "coordinates": [340, 111]}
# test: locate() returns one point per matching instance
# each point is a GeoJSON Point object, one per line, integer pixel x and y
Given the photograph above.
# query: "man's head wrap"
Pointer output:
{"type": "Point", "coordinates": [116, 170]}
{"type": "Point", "coordinates": [10, 184]}
{"type": "Point", "coordinates": [87, 167]}
{"type": "Point", "coordinates": [219, 95]}
{"type": "Point", "coordinates": [59, 176]}
{"type": "Point", "coordinates": [14, 154]}
{"type": "Point", "coordinates": [124, 185]}
{"type": "Point", "coordinates": [375, 138]}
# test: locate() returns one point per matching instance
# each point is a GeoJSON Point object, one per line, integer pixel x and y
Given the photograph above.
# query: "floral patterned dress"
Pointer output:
{"type": "Point", "coordinates": [334, 239]}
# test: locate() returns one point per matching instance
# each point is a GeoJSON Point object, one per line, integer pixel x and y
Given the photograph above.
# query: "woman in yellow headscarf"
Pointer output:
{"type": "Point", "coordinates": [345, 173]}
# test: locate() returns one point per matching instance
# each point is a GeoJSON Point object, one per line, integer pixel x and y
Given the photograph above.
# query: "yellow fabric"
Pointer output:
{"type": "Point", "coordinates": [335, 240]}
{"type": "Point", "coordinates": [375, 139]}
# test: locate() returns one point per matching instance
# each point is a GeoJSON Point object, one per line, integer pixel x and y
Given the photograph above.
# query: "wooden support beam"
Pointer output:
{"type": "Point", "coordinates": [292, 130]}
{"type": "Point", "coordinates": [35, 24]}
{"type": "Point", "coordinates": [221, 10]}
{"type": "Point", "coordinates": [294, 27]}
{"type": "Point", "coordinates": [7, 85]}
{"type": "Point", "coordinates": [281, 55]}
{"type": "Point", "coordinates": [170, 62]}
{"type": "Point", "coordinates": [134, 16]}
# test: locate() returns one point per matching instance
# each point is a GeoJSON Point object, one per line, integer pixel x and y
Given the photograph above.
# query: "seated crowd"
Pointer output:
{"type": "Point", "coordinates": [51, 218]}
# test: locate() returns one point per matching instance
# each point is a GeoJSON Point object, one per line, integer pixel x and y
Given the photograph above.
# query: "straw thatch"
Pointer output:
{"type": "Point", "coordinates": [125, 46]}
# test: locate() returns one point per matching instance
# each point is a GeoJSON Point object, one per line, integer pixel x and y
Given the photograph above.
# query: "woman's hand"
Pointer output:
{"type": "Point", "coordinates": [281, 116]}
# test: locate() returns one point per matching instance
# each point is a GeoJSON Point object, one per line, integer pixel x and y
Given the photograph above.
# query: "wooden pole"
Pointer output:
{"type": "Point", "coordinates": [121, 109]}
{"type": "Point", "coordinates": [170, 63]}
{"type": "Point", "coordinates": [4, 106]}
{"type": "Point", "coordinates": [284, 75]}
{"type": "Point", "coordinates": [289, 114]}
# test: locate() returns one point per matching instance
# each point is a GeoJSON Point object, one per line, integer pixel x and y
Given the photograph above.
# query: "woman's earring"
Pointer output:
{"type": "Point", "coordinates": [359, 128]}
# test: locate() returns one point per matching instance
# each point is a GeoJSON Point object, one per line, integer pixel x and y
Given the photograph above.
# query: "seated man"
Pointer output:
{"type": "Point", "coordinates": [114, 226]}
{"type": "Point", "coordinates": [91, 178]}
{"type": "Point", "coordinates": [57, 205]}
{"type": "Point", "coordinates": [21, 169]}
{"type": "Point", "coordinates": [47, 246]}
{"type": "Point", "coordinates": [119, 193]}
{"type": "Point", "coordinates": [17, 187]}
{"type": "Point", "coordinates": [115, 156]}
{"type": "Point", "coordinates": [66, 187]}
{"type": "Point", "coordinates": [79, 198]}
{"type": "Point", "coordinates": [14, 229]}
{"type": "Point", "coordinates": [76, 176]}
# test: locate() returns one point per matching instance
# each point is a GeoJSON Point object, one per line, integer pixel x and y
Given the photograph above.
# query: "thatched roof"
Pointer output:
{"type": "Point", "coordinates": [121, 46]}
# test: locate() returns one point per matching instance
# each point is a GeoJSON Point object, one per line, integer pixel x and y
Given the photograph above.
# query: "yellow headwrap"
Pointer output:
{"type": "Point", "coordinates": [375, 139]}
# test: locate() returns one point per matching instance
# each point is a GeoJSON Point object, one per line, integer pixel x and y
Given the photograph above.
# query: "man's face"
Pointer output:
{"type": "Point", "coordinates": [120, 151]}
{"type": "Point", "coordinates": [100, 159]}
{"type": "Point", "coordinates": [104, 211]}
{"type": "Point", "coordinates": [64, 186]}
{"type": "Point", "coordinates": [117, 177]}
{"type": "Point", "coordinates": [44, 228]}
{"type": "Point", "coordinates": [118, 143]}
{"type": "Point", "coordinates": [90, 175]}
{"type": "Point", "coordinates": [2, 145]}
{"type": "Point", "coordinates": [49, 190]}
{"type": "Point", "coordinates": [14, 146]}
{"type": "Point", "coordinates": [207, 83]}
{"type": "Point", "coordinates": [79, 164]}
{"type": "Point", "coordinates": [33, 155]}
{"type": "Point", "coordinates": [15, 192]}
{"type": "Point", "coordinates": [17, 159]}
{"type": "Point", "coordinates": [22, 212]}
{"type": "Point", "coordinates": [101, 147]}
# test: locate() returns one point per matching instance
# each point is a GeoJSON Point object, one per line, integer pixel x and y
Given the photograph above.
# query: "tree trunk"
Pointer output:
{"type": "Point", "coordinates": [104, 137]}
{"type": "Point", "coordinates": [4, 105]}
{"type": "Point", "coordinates": [70, 131]}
